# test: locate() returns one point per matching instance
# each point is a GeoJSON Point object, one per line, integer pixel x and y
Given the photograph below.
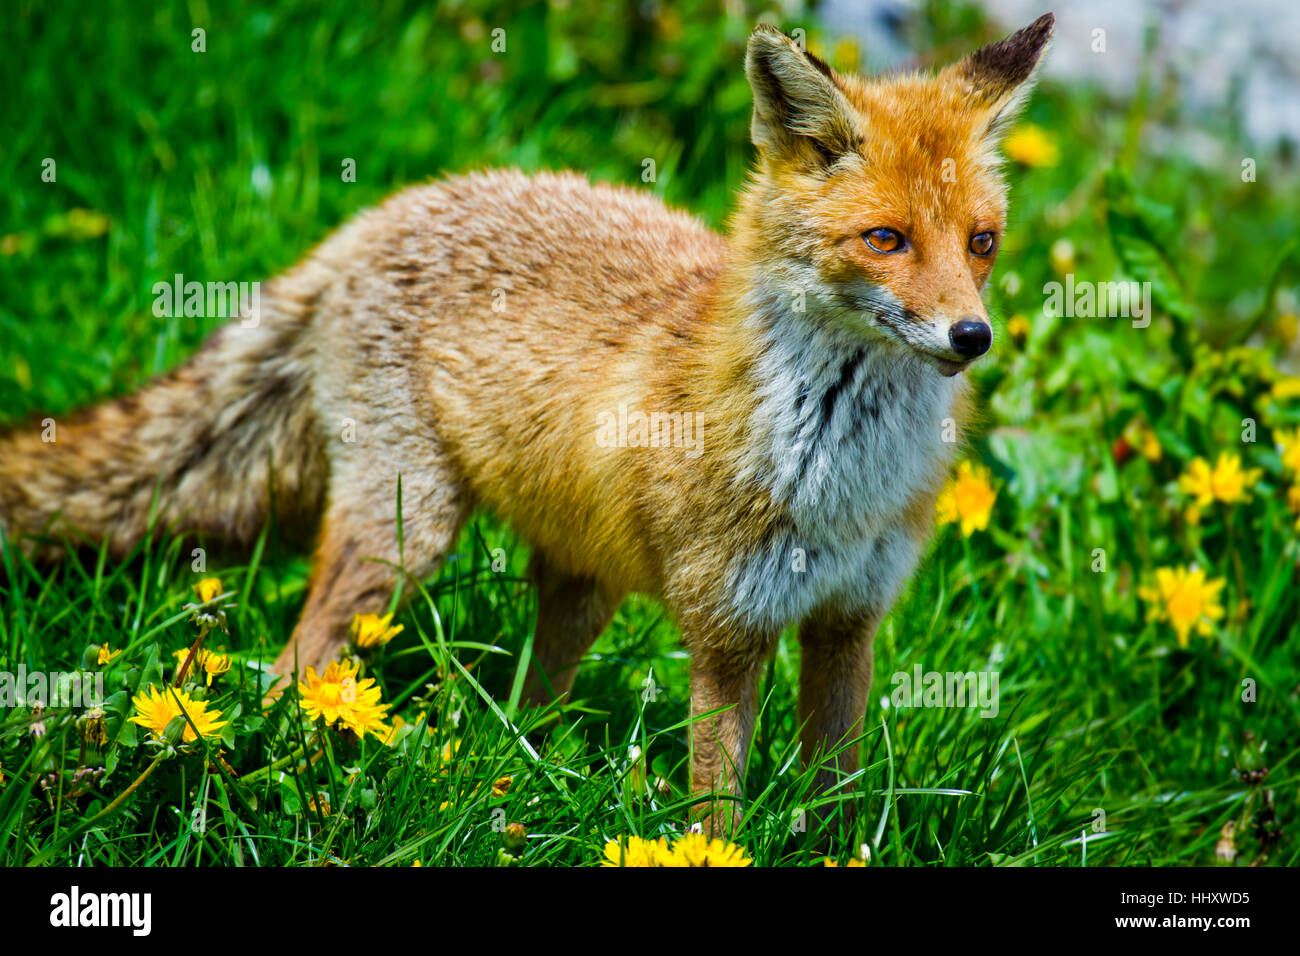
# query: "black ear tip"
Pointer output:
{"type": "Point", "coordinates": [1010, 61]}
{"type": "Point", "coordinates": [1042, 27]}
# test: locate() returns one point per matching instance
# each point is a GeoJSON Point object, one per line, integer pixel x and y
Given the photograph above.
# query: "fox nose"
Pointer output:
{"type": "Point", "coordinates": [970, 337]}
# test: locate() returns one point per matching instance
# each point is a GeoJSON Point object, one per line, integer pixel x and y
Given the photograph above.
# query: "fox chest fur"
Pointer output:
{"type": "Point", "coordinates": [848, 443]}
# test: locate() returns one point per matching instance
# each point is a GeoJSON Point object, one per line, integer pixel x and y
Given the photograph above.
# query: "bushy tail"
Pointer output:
{"type": "Point", "coordinates": [196, 449]}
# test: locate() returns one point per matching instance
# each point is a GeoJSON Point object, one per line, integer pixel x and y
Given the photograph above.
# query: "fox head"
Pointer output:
{"type": "Point", "coordinates": [881, 199]}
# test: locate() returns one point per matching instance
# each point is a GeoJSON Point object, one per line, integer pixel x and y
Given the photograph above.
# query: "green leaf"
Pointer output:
{"type": "Point", "coordinates": [1141, 231]}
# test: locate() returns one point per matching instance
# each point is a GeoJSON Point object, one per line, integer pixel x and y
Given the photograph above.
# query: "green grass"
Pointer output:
{"type": "Point", "coordinates": [225, 165]}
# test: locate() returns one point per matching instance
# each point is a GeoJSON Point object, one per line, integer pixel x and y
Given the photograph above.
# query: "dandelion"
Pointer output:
{"type": "Point", "coordinates": [1061, 255]}
{"type": "Point", "coordinates": [94, 728]}
{"type": "Point", "coordinates": [1018, 328]}
{"type": "Point", "coordinates": [338, 698]}
{"type": "Point", "coordinates": [1285, 389]}
{"type": "Point", "coordinates": [1186, 599]}
{"type": "Point", "coordinates": [1145, 441]}
{"type": "Point", "coordinates": [692, 849]}
{"type": "Point", "coordinates": [155, 709]}
{"type": "Point", "coordinates": [371, 630]}
{"type": "Point", "coordinates": [80, 224]}
{"type": "Point", "coordinates": [968, 498]}
{"type": "Point", "coordinates": [320, 805]}
{"type": "Point", "coordinates": [853, 862]}
{"type": "Point", "coordinates": [847, 55]}
{"type": "Point", "coordinates": [1288, 444]}
{"type": "Point", "coordinates": [1287, 327]}
{"type": "Point", "coordinates": [501, 786]}
{"type": "Point", "coordinates": [1030, 145]}
{"type": "Point", "coordinates": [634, 851]}
{"type": "Point", "coordinates": [1227, 481]}
{"type": "Point", "coordinates": [204, 613]}
{"type": "Point", "coordinates": [449, 751]}
{"type": "Point", "coordinates": [515, 838]}
{"type": "Point", "coordinates": [106, 656]}
{"type": "Point", "coordinates": [205, 661]}
{"type": "Point", "coordinates": [695, 849]}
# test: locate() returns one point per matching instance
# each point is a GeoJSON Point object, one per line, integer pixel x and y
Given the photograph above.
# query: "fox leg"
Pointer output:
{"type": "Point", "coordinates": [355, 566]}
{"type": "Point", "coordinates": [723, 674]}
{"type": "Point", "coordinates": [834, 681]}
{"type": "Point", "coordinates": [571, 613]}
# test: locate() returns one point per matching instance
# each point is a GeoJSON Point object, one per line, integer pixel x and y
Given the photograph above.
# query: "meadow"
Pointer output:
{"type": "Point", "coordinates": [1121, 548]}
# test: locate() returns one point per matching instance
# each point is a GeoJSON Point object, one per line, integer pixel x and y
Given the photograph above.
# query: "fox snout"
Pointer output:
{"type": "Point", "coordinates": [970, 337]}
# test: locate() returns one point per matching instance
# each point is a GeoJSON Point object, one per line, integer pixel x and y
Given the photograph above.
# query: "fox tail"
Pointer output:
{"type": "Point", "coordinates": [205, 448]}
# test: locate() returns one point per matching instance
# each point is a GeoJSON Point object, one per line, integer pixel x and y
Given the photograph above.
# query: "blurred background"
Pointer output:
{"type": "Point", "coordinates": [226, 163]}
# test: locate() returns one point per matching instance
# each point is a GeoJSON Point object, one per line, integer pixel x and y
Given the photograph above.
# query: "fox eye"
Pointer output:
{"type": "Point", "coordinates": [883, 240]}
{"type": "Point", "coordinates": [981, 243]}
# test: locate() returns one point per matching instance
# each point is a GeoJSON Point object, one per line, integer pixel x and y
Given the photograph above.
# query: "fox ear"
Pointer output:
{"type": "Point", "coordinates": [800, 111]}
{"type": "Point", "coordinates": [999, 77]}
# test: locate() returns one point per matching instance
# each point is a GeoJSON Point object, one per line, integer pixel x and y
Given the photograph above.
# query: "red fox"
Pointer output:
{"type": "Point", "coordinates": [751, 428]}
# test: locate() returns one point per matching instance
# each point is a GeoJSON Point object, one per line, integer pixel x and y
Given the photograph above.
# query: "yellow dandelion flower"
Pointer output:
{"type": "Point", "coordinates": [1287, 326]}
{"type": "Point", "coordinates": [1186, 599]}
{"type": "Point", "coordinates": [206, 662]}
{"type": "Point", "coordinates": [501, 786]}
{"type": "Point", "coordinates": [634, 851]}
{"type": "Point", "coordinates": [1227, 481]}
{"type": "Point", "coordinates": [339, 699]}
{"type": "Point", "coordinates": [214, 665]}
{"type": "Point", "coordinates": [1018, 328]}
{"type": "Point", "coordinates": [1288, 443]}
{"type": "Point", "coordinates": [847, 55]}
{"type": "Point", "coordinates": [155, 709]}
{"type": "Point", "coordinates": [1061, 255]}
{"type": "Point", "coordinates": [1030, 145]}
{"type": "Point", "coordinates": [371, 630]}
{"type": "Point", "coordinates": [853, 862]}
{"type": "Point", "coordinates": [967, 498]}
{"type": "Point", "coordinates": [106, 656]}
{"type": "Point", "coordinates": [320, 804]}
{"type": "Point", "coordinates": [1142, 438]}
{"type": "Point", "coordinates": [1285, 389]}
{"type": "Point", "coordinates": [208, 589]}
{"type": "Point", "coordinates": [695, 849]}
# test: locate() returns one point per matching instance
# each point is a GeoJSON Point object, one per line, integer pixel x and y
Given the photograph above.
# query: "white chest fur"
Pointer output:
{"type": "Point", "coordinates": [848, 430]}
